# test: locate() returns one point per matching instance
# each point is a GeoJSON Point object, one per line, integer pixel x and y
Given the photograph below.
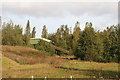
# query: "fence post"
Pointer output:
{"type": "Point", "coordinates": [45, 78]}
{"type": "Point", "coordinates": [32, 77]}
{"type": "Point", "coordinates": [71, 77]}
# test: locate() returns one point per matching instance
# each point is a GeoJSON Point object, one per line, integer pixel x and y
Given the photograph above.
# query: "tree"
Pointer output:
{"type": "Point", "coordinates": [58, 36]}
{"type": "Point", "coordinates": [27, 34]}
{"type": "Point", "coordinates": [117, 29]}
{"type": "Point", "coordinates": [86, 44]}
{"type": "Point", "coordinates": [44, 32]}
{"type": "Point", "coordinates": [99, 46]}
{"type": "Point", "coordinates": [33, 33]}
{"type": "Point", "coordinates": [18, 40]}
{"type": "Point", "coordinates": [52, 36]}
{"type": "Point", "coordinates": [12, 34]}
{"type": "Point", "coordinates": [76, 36]}
{"type": "Point", "coordinates": [7, 36]}
{"type": "Point", "coordinates": [45, 46]}
{"type": "Point", "coordinates": [111, 43]}
{"type": "Point", "coordinates": [68, 38]}
{"type": "Point", "coordinates": [115, 42]}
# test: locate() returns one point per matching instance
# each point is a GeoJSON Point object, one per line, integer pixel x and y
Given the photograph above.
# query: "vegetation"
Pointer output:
{"type": "Point", "coordinates": [44, 32]}
{"type": "Point", "coordinates": [51, 69]}
{"type": "Point", "coordinates": [26, 55]}
{"type": "Point", "coordinates": [12, 34]}
{"type": "Point", "coordinates": [33, 33]}
{"type": "Point", "coordinates": [46, 47]}
{"type": "Point", "coordinates": [90, 53]}
{"type": "Point", "coordinates": [89, 44]}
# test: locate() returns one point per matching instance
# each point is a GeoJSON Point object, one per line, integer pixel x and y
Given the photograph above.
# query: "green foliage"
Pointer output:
{"type": "Point", "coordinates": [99, 46]}
{"type": "Point", "coordinates": [44, 32]}
{"type": "Point", "coordinates": [33, 33]}
{"type": "Point", "coordinates": [12, 34]}
{"type": "Point", "coordinates": [91, 45]}
{"type": "Point", "coordinates": [62, 38]}
{"type": "Point", "coordinates": [45, 46]}
{"type": "Point", "coordinates": [27, 34]}
{"type": "Point", "coordinates": [76, 37]}
{"type": "Point", "coordinates": [87, 44]}
{"type": "Point", "coordinates": [112, 43]}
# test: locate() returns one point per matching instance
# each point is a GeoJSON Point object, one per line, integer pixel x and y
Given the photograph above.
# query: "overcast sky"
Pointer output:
{"type": "Point", "coordinates": [54, 14]}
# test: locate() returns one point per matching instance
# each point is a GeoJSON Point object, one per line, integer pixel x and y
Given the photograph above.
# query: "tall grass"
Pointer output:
{"type": "Point", "coordinates": [23, 51]}
{"type": "Point", "coordinates": [26, 55]}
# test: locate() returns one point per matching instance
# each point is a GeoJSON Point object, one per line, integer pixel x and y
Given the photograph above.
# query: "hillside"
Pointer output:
{"type": "Point", "coordinates": [78, 69]}
{"type": "Point", "coordinates": [14, 65]}
{"type": "Point", "coordinates": [24, 55]}
{"type": "Point", "coordinates": [24, 51]}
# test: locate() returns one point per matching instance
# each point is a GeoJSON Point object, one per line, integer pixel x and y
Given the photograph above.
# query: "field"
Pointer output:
{"type": "Point", "coordinates": [51, 67]}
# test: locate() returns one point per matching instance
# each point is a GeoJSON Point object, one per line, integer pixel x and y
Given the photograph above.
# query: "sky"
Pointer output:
{"type": "Point", "coordinates": [54, 14]}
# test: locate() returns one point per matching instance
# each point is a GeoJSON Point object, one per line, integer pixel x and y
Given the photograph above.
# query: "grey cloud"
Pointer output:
{"type": "Point", "coordinates": [58, 9]}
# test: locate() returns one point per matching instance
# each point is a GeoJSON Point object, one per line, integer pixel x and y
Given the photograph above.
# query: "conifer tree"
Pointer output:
{"type": "Point", "coordinates": [27, 33]}
{"type": "Point", "coordinates": [86, 49]}
{"type": "Point", "coordinates": [44, 32]}
{"type": "Point", "coordinates": [33, 33]}
{"type": "Point", "coordinates": [76, 37]}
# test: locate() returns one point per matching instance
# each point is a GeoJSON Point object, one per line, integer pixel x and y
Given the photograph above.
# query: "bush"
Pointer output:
{"type": "Point", "coordinates": [45, 46]}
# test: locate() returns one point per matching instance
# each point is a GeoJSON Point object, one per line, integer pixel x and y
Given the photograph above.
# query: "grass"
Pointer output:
{"type": "Point", "coordinates": [24, 51]}
{"type": "Point", "coordinates": [23, 55]}
{"type": "Point", "coordinates": [65, 70]}
{"type": "Point", "coordinates": [15, 70]}
{"type": "Point", "coordinates": [106, 70]}
{"type": "Point", "coordinates": [54, 67]}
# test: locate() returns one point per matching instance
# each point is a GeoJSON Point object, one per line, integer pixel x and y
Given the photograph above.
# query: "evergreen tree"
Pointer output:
{"type": "Point", "coordinates": [12, 34]}
{"type": "Point", "coordinates": [33, 33]}
{"type": "Point", "coordinates": [86, 49]}
{"type": "Point", "coordinates": [7, 36]}
{"type": "Point", "coordinates": [27, 33]}
{"type": "Point", "coordinates": [52, 36]}
{"type": "Point", "coordinates": [68, 38]}
{"type": "Point", "coordinates": [58, 36]}
{"type": "Point", "coordinates": [17, 37]}
{"type": "Point", "coordinates": [111, 44]}
{"type": "Point", "coordinates": [99, 45]}
{"type": "Point", "coordinates": [76, 37]}
{"type": "Point", "coordinates": [44, 32]}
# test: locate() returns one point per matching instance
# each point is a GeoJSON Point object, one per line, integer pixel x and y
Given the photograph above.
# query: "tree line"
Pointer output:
{"type": "Point", "coordinates": [88, 44]}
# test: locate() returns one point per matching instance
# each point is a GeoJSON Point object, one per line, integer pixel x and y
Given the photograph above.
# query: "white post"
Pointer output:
{"type": "Point", "coordinates": [71, 77]}
{"type": "Point", "coordinates": [32, 77]}
{"type": "Point", "coordinates": [45, 78]}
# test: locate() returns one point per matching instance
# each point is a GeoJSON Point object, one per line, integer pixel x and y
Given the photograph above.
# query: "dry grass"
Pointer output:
{"type": "Point", "coordinates": [23, 51]}
{"type": "Point", "coordinates": [25, 60]}
{"type": "Point", "coordinates": [24, 55]}
{"type": "Point", "coordinates": [78, 69]}
{"type": "Point", "coordinates": [51, 67]}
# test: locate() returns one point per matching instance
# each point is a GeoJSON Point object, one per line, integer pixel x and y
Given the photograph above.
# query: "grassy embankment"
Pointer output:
{"type": "Point", "coordinates": [23, 62]}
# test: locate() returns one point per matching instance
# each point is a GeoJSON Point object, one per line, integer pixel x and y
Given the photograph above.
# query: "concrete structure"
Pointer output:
{"type": "Point", "coordinates": [36, 40]}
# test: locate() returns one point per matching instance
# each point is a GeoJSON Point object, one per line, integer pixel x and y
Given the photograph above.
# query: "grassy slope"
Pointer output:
{"type": "Point", "coordinates": [23, 55]}
{"type": "Point", "coordinates": [13, 69]}
{"type": "Point", "coordinates": [24, 51]}
{"type": "Point", "coordinates": [78, 69]}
